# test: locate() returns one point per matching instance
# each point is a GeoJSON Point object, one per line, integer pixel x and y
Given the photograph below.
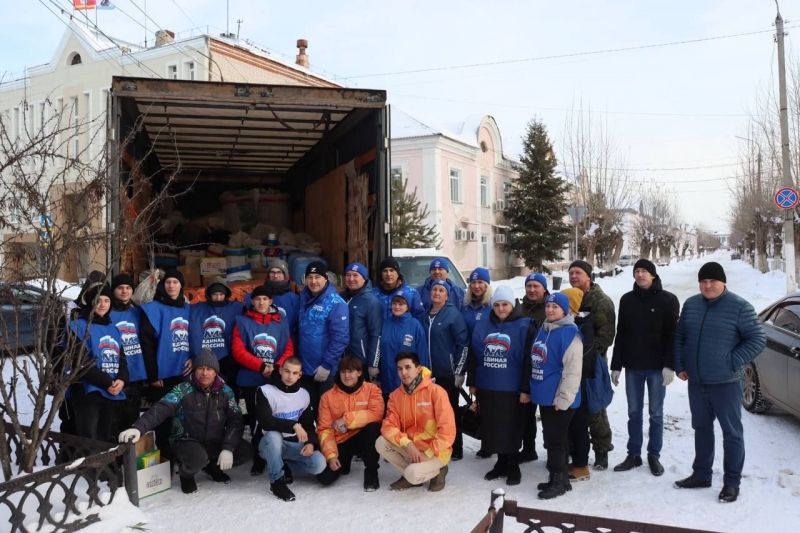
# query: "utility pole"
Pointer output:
{"type": "Point", "coordinates": [238, 27]}
{"type": "Point", "coordinates": [788, 223]}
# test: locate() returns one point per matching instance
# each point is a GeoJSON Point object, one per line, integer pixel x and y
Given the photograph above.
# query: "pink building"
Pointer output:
{"type": "Point", "coordinates": [462, 174]}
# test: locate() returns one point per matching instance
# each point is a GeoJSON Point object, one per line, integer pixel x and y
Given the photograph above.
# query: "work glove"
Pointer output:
{"type": "Point", "coordinates": [130, 435]}
{"type": "Point", "coordinates": [460, 380]}
{"type": "Point", "coordinates": [615, 377]}
{"type": "Point", "coordinates": [373, 372]}
{"type": "Point", "coordinates": [668, 374]}
{"type": "Point", "coordinates": [225, 460]}
{"type": "Point", "coordinates": [321, 375]}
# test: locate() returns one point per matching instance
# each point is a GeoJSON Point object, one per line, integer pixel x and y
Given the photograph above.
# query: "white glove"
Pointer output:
{"type": "Point", "coordinates": [460, 378]}
{"type": "Point", "coordinates": [130, 435]}
{"type": "Point", "coordinates": [668, 374]}
{"type": "Point", "coordinates": [225, 460]}
{"type": "Point", "coordinates": [321, 375]}
{"type": "Point", "coordinates": [615, 377]}
{"type": "Point", "coordinates": [373, 372]}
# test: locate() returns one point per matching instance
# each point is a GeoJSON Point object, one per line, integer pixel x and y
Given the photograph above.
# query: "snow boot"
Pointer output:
{"type": "Point", "coordinates": [728, 494]}
{"type": "Point", "coordinates": [216, 474]}
{"type": "Point", "coordinates": [499, 470]}
{"type": "Point", "coordinates": [514, 476]}
{"type": "Point", "coordinates": [371, 482]}
{"type": "Point", "coordinates": [578, 473]}
{"type": "Point", "coordinates": [281, 490]}
{"type": "Point", "coordinates": [630, 462]}
{"type": "Point", "coordinates": [558, 487]}
{"type": "Point", "coordinates": [692, 482]}
{"type": "Point", "coordinates": [437, 483]}
{"type": "Point", "coordinates": [545, 485]}
{"type": "Point", "coordinates": [601, 460]}
{"type": "Point", "coordinates": [527, 455]}
{"type": "Point", "coordinates": [402, 484]}
{"type": "Point", "coordinates": [655, 465]}
{"type": "Point", "coordinates": [188, 484]}
{"type": "Point", "coordinates": [259, 465]}
{"type": "Point", "coordinates": [483, 455]}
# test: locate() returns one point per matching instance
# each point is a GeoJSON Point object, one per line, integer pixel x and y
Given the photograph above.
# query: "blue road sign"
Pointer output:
{"type": "Point", "coordinates": [786, 198]}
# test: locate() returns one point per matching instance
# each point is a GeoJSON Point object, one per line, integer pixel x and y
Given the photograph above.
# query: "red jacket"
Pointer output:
{"type": "Point", "coordinates": [247, 359]}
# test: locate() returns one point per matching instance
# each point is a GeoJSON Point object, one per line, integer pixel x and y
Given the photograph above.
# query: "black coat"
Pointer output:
{"type": "Point", "coordinates": [646, 324]}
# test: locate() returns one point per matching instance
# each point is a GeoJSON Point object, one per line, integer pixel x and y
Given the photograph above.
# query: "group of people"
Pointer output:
{"type": "Point", "coordinates": [328, 378]}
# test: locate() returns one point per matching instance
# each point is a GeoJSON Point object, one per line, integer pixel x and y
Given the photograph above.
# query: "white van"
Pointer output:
{"type": "Point", "coordinates": [414, 264]}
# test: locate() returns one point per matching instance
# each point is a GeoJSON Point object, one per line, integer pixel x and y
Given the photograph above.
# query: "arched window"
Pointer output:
{"type": "Point", "coordinates": [74, 59]}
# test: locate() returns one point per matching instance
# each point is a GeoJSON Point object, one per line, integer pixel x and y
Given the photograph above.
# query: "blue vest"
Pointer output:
{"type": "Point", "coordinates": [127, 323]}
{"type": "Point", "coordinates": [547, 363]}
{"type": "Point", "coordinates": [171, 325]}
{"type": "Point", "coordinates": [105, 344]}
{"type": "Point", "coordinates": [499, 351]}
{"type": "Point", "coordinates": [212, 327]}
{"type": "Point", "coordinates": [265, 341]}
{"type": "Point", "coordinates": [473, 315]}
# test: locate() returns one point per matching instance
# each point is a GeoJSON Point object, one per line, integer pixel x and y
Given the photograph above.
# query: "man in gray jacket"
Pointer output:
{"type": "Point", "coordinates": [717, 335]}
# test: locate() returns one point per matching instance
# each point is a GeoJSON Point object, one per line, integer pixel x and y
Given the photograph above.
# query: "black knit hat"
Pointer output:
{"type": "Point", "coordinates": [173, 273]}
{"type": "Point", "coordinates": [316, 267]}
{"type": "Point", "coordinates": [263, 290]}
{"type": "Point", "coordinates": [390, 262]}
{"type": "Point", "coordinates": [583, 265]}
{"type": "Point", "coordinates": [712, 270]}
{"type": "Point", "coordinates": [122, 279]}
{"type": "Point", "coordinates": [647, 265]}
{"type": "Point", "coordinates": [98, 289]}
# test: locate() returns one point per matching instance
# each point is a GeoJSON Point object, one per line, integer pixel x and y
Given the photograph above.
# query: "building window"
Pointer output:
{"type": "Point", "coordinates": [74, 59]}
{"type": "Point", "coordinates": [485, 251]}
{"type": "Point", "coordinates": [484, 191]}
{"type": "Point", "coordinates": [172, 72]}
{"type": "Point", "coordinates": [188, 70]}
{"type": "Point", "coordinates": [74, 121]}
{"type": "Point", "coordinates": [397, 173]}
{"type": "Point", "coordinates": [87, 104]}
{"type": "Point", "coordinates": [16, 118]}
{"type": "Point", "coordinates": [506, 190]}
{"type": "Point", "coordinates": [58, 127]}
{"type": "Point", "coordinates": [455, 186]}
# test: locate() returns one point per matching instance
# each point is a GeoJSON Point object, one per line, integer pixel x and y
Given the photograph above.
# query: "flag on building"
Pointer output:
{"type": "Point", "coordinates": [84, 5]}
{"type": "Point", "coordinates": [105, 4]}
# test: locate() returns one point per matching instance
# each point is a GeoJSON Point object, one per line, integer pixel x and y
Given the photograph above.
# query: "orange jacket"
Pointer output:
{"type": "Point", "coordinates": [423, 417]}
{"type": "Point", "coordinates": [358, 409]}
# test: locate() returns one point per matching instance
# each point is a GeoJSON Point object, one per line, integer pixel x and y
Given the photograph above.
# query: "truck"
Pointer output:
{"type": "Point", "coordinates": [326, 150]}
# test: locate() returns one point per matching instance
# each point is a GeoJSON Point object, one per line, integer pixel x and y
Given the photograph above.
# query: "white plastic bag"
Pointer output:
{"type": "Point", "coordinates": [148, 281]}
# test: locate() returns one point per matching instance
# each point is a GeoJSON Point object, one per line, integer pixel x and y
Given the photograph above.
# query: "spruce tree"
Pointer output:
{"type": "Point", "coordinates": [409, 222]}
{"type": "Point", "coordinates": [537, 202]}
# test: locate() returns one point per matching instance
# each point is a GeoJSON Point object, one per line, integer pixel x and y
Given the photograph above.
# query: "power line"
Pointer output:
{"type": "Point", "coordinates": [573, 54]}
{"type": "Point", "coordinates": [184, 13]}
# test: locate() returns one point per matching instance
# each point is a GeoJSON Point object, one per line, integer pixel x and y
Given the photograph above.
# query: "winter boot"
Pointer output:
{"type": "Point", "coordinates": [601, 460]}
{"type": "Point", "coordinates": [578, 473]}
{"type": "Point", "coordinates": [216, 474]}
{"type": "Point", "coordinates": [281, 490]}
{"type": "Point", "coordinates": [692, 482]}
{"type": "Point", "coordinates": [371, 482]}
{"type": "Point", "coordinates": [483, 455]}
{"type": "Point", "coordinates": [437, 483]}
{"type": "Point", "coordinates": [630, 462]}
{"type": "Point", "coordinates": [527, 455]}
{"type": "Point", "coordinates": [402, 484]}
{"type": "Point", "coordinates": [499, 470]}
{"type": "Point", "coordinates": [655, 465]}
{"type": "Point", "coordinates": [457, 455]}
{"type": "Point", "coordinates": [287, 474]}
{"type": "Point", "coordinates": [546, 484]}
{"type": "Point", "coordinates": [188, 484]}
{"type": "Point", "coordinates": [514, 476]}
{"type": "Point", "coordinates": [557, 488]}
{"type": "Point", "coordinates": [728, 494]}
{"type": "Point", "coordinates": [259, 465]}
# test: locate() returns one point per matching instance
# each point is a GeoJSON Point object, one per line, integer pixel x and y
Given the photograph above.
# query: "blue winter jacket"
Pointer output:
{"type": "Point", "coordinates": [448, 340]}
{"type": "Point", "coordinates": [412, 295]}
{"type": "Point", "coordinates": [324, 329]}
{"type": "Point", "coordinates": [716, 338]}
{"type": "Point", "coordinates": [399, 334]}
{"type": "Point", "coordinates": [474, 314]}
{"type": "Point", "coordinates": [366, 322]}
{"type": "Point", "coordinates": [455, 294]}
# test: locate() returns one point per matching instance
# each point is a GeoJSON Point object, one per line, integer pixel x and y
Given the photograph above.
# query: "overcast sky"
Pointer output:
{"type": "Point", "coordinates": [669, 107]}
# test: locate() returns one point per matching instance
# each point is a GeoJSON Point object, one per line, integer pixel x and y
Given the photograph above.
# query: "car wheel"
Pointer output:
{"type": "Point", "coordinates": [752, 398]}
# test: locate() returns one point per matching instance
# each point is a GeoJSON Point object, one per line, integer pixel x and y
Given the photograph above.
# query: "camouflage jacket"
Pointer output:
{"type": "Point", "coordinates": [601, 310]}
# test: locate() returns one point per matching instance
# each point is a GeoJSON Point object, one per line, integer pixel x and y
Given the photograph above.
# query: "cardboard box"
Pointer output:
{"type": "Point", "coordinates": [213, 266]}
{"type": "Point", "coordinates": [191, 275]}
{"type": "Point", "coordinates": [153, 479]}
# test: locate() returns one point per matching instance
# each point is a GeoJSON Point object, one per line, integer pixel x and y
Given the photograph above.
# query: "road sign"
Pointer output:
{"type": "Point", "coordinates": [786, 198]}
{"type": "Point", "coordinates": [576, 213]}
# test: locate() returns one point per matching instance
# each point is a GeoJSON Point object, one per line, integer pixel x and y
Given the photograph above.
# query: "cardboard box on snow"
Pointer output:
{"type": "Point", "coordinates": [213, 266]}
{"type": "Point", "coordinates": [191, 275]}
{"type": "Point", "coordinates": [153, 479]}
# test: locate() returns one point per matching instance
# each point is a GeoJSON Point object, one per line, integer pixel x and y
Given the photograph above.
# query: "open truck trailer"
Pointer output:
{"type": "Point", "coordinates": [326, 148]}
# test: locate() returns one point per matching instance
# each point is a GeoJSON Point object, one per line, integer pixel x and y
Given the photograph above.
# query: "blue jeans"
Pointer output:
{"type": "Point", "coordinates": [635, 381]}
{"type": "Point", "coordinates": [723, 402]}
{"type": "Point", "coordinates": [275, 451]}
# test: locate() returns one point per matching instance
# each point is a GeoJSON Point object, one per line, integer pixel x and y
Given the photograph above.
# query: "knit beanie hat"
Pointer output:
{"type": "Point", "coordinates": [263, 290]}
{"type": "Point", "coordinates": [280, 264]}
{"type": "Point", "coordinates": [359, 268]}
{"type": "Point", "coordinates": [575, 296]}
{"type": "Point", "coordinates": [538, 277]}
{"type": "Point", "coordinates": [390, 262]}
{"type": "Point", "coordinates": [560, 299]}
{"type": "Point", "coordinates": [440, 283]}
{"type": "Point", "coordinates": [503, 294]}
{"type": "Point", "coordinates": [712, 270]}
{"type": "Point", "coordinates": [647, 265]}
{"type": "Point", "coordinates": [95, 290]}
{"type": "Point", "coordinates": [439, 263]}
{"type": "Point", "coordinates": [583, 265]}
{"type": "Point", "coordinates": [316, 267]}
{"type": "Point", "coordinates": [121, 279]}
{"type": "Point", "coordinates": [402, 294]}
{"type": "Point", "coordinates": [173, 273]}
{"type": "Point", "coordinates": [481, 274]}
{"type": "Point", "coordinates": [207, 358]}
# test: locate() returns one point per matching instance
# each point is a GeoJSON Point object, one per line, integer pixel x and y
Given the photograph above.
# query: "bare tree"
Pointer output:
{"type": "Point", "coordinates": [657, 227]}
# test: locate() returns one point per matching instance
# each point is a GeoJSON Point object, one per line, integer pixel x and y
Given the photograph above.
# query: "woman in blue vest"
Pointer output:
{"type": "Point", "coordinates": [261, 339]}
{"type": "Point", "coordinates": [401, 333]}
{"type": "Point", "coordinates": [94, 398]}
{"type": "Point", "coordinates": [497, 360]}
{"type": "Point", "coordinates": [211, 326]}
{"type": "Point", "coordinates": [164, 337]}
{"type": "Point", "coordinates": [554, 363]}
{"type": "Point", "coordinates": [448, 343]}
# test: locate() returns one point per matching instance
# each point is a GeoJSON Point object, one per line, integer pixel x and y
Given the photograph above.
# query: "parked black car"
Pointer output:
{"type": "Point", "coordinates": [19, 307]}
{"type": "Point", "coordinates": [735, 255]}
{"type": "Point", "coordinates": [773, 378]}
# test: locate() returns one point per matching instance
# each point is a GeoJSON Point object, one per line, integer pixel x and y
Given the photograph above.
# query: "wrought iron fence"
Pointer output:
{"type": "Point", "coordinates": [539, 521]}
{"type": "Point", "coordinates": [79, 466]}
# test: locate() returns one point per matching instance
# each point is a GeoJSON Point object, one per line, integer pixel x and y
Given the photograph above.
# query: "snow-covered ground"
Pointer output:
{"type": "Point", "coordinates": [769, 501]}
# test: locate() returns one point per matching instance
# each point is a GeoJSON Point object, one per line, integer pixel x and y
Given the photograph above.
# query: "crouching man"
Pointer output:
{"type": "Point", "coordinates": [349, 423]}
{"type": "Point", "coordinates": [419, 428]}
{"type": "Point", "coordinates": [205, 406]}
{"type": "Point", "coordinates": [283, 413]}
